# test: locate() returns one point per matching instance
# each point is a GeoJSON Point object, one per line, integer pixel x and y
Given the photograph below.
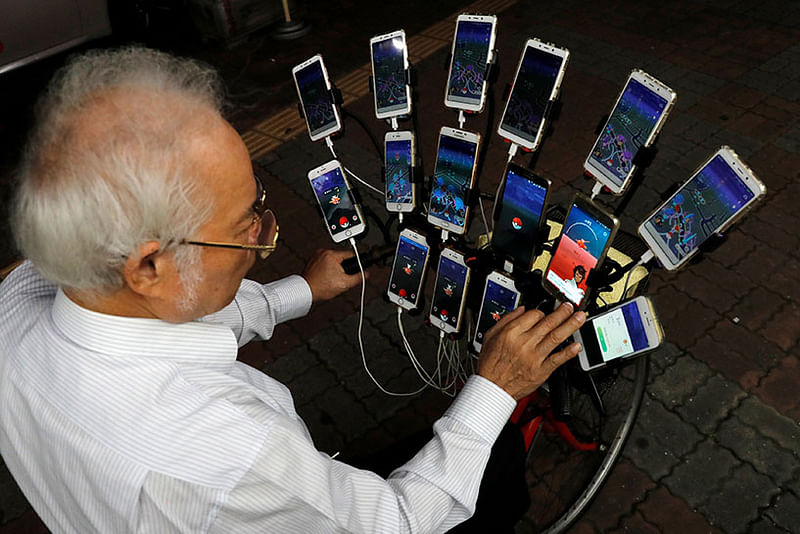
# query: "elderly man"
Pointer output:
{"type": "Point", "coordinates": [122, 405]}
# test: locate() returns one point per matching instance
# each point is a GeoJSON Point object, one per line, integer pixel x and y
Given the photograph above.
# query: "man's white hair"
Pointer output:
{"type": "Point", "coordinates": [107, 167]}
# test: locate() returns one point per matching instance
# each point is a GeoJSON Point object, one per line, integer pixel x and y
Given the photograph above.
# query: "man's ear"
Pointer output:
{"type": "Point", "coordinates": [146, 268]}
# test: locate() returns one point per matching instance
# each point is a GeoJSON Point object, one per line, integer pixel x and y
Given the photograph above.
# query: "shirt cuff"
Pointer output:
{"type": "Point", "coordinates": [294, 295]}
{"type": "Point", "coordinates": [483, 406]}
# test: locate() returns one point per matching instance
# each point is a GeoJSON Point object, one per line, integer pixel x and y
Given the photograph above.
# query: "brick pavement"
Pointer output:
{"type": "Point", "coordinates": [716, 445]}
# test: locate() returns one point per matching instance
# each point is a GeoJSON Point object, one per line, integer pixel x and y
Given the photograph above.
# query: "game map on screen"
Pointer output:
{"type": "Point", "coordinates": [390, 75]}
{"type": "Point", "coordinates": [628, 127]}
{"type": "Point", "coordinates": [452, 180]}
{"type": "Point", "coordinates": [468, 71]}
{"type": "Point", "coordinates": [699, 208]}
{"type": "Point", "coordinates": [531, 93]}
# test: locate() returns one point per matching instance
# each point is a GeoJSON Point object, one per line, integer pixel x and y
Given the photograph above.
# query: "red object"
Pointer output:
{"type": "Point", "coordinates": [544, 420]}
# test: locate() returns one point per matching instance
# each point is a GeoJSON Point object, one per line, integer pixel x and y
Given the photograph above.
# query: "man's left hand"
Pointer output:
{"type": "Point", "coordinates": [325, 275]}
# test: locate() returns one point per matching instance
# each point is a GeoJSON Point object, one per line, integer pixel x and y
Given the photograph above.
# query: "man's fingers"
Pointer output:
{"type": "Point", "coordinates": [507, 318]}
{"type": "Point", "coordinates": [559, 358]}
{"type": "Point", "coordinates": [566, 327]}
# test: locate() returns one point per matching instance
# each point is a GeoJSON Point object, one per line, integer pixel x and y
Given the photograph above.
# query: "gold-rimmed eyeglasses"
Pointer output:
{"type": "Point", "coordinates": [263, 231]}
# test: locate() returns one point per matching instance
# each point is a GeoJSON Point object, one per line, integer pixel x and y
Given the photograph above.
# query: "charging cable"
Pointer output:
{"type": "Point", "coordinates": [512, 150]}
{"type": "Point", "coordinates": [394, 123]}
{"type": "Point", "coordinates": [359, 180]}
{"type": "Point", "coordinates": [329, 142]}
{"type": "Point", "coordinates": [461, 119]}
{"type": "Point", "coordinates": [360, 330]}
{"type": "Point", "coordinates": [598, 187]}
{"type": "Point", "coordinates": [645, 259]}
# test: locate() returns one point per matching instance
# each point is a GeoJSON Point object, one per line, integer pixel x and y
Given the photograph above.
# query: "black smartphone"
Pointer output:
{"type": "Point", "coordinates": [519, 215]}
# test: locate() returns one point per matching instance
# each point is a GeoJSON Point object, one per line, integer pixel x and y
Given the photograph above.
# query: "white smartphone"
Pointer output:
{"type": "Point", "coordinates": [634, 122]}
{"type": "Point", "coordinates": [389, 55]}
{"type": "Point", "coordinates": [453, 178]}
{"type": "Point", "coordinates": [519, 215]}
{"type": "Point", "coordinates": [585, 237]}
{"type": "Point", "coordinates": [500, 296]}
{"type": "Point", "coordinates": [449, 291]}
{"type": "Point", "coordinates": [314, 90]}
{"type": "Point", "coordinates": [623, 331]}
{"type": "Point", "coordinates": [399, 156]}
{"type": "Point", "coordinates": [342, 215]}
{"type": "Point", "coordinates": [470, 57]}
{"type": "Point", "coordinates": [536, 84]}
{"type": "Point", "coordinates": [408, 271]}
{"type": "Point", "coordinates": [717, 194]}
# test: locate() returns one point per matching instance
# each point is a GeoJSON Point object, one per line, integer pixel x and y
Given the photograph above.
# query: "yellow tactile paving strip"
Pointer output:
{"type": "Point", "coordinates": [287, 123]}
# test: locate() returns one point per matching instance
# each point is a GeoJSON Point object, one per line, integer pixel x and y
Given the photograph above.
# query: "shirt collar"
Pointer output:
{"type": "Point", "coordinates": [206, 344]}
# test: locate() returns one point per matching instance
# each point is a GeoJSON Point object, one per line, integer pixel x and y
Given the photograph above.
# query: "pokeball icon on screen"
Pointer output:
{"type": "Point", "coordinates": [402, 293]}
{"type": "Point", "coordinates": [343, 222]}
{"type": "Point", "coordinates": [516, 223]}
{"type": "Point", "coordinates": [444, 315]}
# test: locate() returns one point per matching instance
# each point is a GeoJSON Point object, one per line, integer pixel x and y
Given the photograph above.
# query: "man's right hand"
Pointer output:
{"type": "Point", "coordinates": [516, 353]}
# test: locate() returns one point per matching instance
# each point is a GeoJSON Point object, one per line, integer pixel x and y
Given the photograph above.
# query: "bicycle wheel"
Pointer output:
{"type": "Point", "coordinates": [563, 480]}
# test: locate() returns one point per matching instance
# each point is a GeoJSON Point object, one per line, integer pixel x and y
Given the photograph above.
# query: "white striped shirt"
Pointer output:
{"type": "Point", "coordinates": [114, 424]}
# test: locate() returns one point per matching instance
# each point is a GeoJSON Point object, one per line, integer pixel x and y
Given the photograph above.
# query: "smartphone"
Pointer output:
{"type": "Point", "coordinates": [389, 55]}
{"type": "Point", "coordinates": [585, 237]}
{"type": "Point", "coordinates": [342, 215]}
{"type": "Point", "coordinates": [716, 195]}
{"type": "Point", "coordinates": [500, 296]}
{"type": "Point", "coordinates": [519, 215]}
{"type": "Point", "coordinates": [453, 177]}
{"type": "Point", "coordinates": [399, 155]}
{"type": "Point", "coordinates": [408, 271]}
{"type": "Point", "coordinates": [637, 117]}
{"type": "Point", "coordinates": [449, 291]}
{"type": "Point", "coordinates": [314, 90]}
{"type": "Point", "coordinates": [623, 331]}
{"type": "Point", "coordinates": [472, 52]}
{"type": "Point", "coordinates": [536, 84]}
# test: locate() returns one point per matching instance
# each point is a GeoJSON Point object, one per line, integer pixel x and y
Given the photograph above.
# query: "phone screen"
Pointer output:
{"type": "Point", "coordinates": [706, 202]}
{"type": "Point", "coordinates": [398, 172]}
{"type": "Point", "coordinates": [615, 334]}
{"type": "Point", "coordinates": [449, 291]}
{"type": "Point", "coordinates": [408, 266]}
{"type": "Point", "coordinates": [452, 179]}
{"type": "Point", "coordinates": [533, 86]}
{"type": "Point", "coordinates": [521, 208]}
{"type": "Point", "coordinates": [315, 98]}
{"type": "Point", "coordinates": [470, 59]}
{"type": "Point", "coordinates": [334, 197]}
{"type": "Point", "coordinates": [390, 75]}
{"type": "Point", "coordinates": [629, 126]}
{"type": "Point", "coordinates": [582, 243]}
{"type": "Point", "coordinates": [497, 301]}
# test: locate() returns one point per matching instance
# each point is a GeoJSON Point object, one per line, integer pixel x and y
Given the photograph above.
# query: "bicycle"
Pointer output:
{"type": "Point", "coordinates": [570, 459]}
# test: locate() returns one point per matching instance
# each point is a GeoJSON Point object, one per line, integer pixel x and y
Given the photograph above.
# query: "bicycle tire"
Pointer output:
{"type": "Point", "coordinates": [562, 481]}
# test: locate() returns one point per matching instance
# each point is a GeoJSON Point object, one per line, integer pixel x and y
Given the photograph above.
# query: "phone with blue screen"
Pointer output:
{"type": "Point", "coordinates": [536, 84]}
{"type": "Point", "coordinates": [718, 193]}
{"type": "Point", "coordinates": [471, 55]}
{"type": "Point", "coordinates": [389, 65]}
{"type": "Point", "coordinates": [314, 90]}
{"type": "Point", "coordinates": [399, 159]}
{"type": "Point", "coordinates": [634, 122]}
{"type": "Point", "coordinates": [519, 215]}
{"type": "Point", "coordinates": [500, 296]}
{"type": "Point", "coordinates": [450, 291]}
{"type": "Point", "coordinates": [408, 270]}
{"type": "Point", "coordinates": [453, 178]}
